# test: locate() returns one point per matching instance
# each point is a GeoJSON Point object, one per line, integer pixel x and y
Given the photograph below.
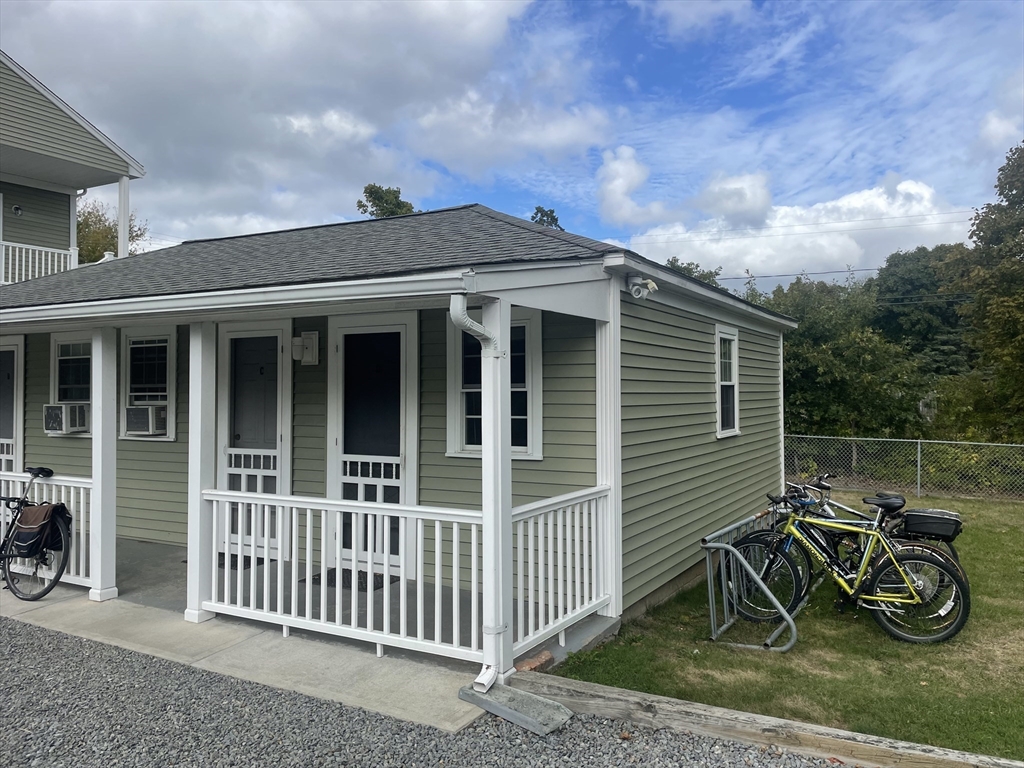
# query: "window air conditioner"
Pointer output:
{"type": "Point", "coordinates": [65, 418]}
{"type": "Point", "coordinates": [145, 420]}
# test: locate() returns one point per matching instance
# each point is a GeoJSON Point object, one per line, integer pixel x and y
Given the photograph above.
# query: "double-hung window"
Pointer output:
{"type": "Point", "coordinates": [70, 384]}
{"type": "Point", "coordinates": [465, 406]}
{"type": "Point", "coordinates": [147, 383]}
{"type": "Point", "coordinates": [727, 390]}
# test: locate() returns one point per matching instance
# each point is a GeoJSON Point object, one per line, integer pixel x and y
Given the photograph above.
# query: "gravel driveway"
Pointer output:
{"type": "Point", "coordinates": [74, 703]}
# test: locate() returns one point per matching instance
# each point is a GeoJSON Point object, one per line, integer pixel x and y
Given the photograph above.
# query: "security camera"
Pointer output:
{"type": "Point", "coordinates": [639, 288]}
{"type": "Point", "coordinates": [16, 210]}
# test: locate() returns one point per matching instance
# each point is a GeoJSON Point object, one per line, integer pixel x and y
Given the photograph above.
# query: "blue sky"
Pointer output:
{"type": "Point", "coordinates": [768, 136]}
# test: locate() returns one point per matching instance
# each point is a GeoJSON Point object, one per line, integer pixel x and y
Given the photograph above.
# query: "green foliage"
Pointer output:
{"type": "Point", "coordinates": [841, 376]}
{"type": "Point", "coordinates": [693, 269]}
{"type": "Point", "coordinates": [546, 218]}
{"type": "Point", "coordinates": [97, 232]}
{"type": "Point", "coordinates": [383, 202]}
{"type": "Point", "coordinates": [993, 273]}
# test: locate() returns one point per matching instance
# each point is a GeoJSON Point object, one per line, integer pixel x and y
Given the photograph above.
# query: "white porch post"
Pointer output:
{"type": "Point", "coordinates": [202, 465]}
{"type": "Point", "coordinates": [103, 532]}
{"type": "Point", "coordinates": [123, 217]}
{"type": "Point", "coordinates": [609, 448]}
{"type": "Point", "coordinates": [496, 473]}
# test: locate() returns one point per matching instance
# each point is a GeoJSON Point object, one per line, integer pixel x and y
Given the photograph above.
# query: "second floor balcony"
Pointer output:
{"type": "Point", "coordinates": [19, 261]}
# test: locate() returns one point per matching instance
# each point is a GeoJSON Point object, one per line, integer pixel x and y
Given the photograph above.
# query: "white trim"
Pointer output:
{"type": "Point", "coordinates": [282, 329]}
{"type": "Point", "coordinates": [17, 345]}
{"type": "Point", "coordinates": [725, 332]}
{"type": "Point", "coordinates": [202, 465]}
{"type": "Point", "coordinates": [133, 164]}
{"type": "Point", "coordinates": [170, 332]}
{"type": "Point", "coordinates": [73, 228]}
{"type": "Point", "coordinates": [103, 502]}
{"type": "Point", "coordinates": [414, 286]}
{"type": "Point", "coordinates": [782, 423]}
{"type": "Point", "coordinates": [609, 445]}
{"type": "Point", "coordinates": [25, 181]}
{"type": "Point", "coordinates": [454, 417]}
{"type": "Point", "coordinates": [406, 323]}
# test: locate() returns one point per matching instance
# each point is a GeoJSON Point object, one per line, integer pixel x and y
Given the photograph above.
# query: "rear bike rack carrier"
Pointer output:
{"type": "Point", "coordinates": [722, 541]}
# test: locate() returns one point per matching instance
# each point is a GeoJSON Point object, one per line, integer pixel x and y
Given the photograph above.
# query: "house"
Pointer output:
{"type": "Point", "coordinates": [49, 156]}
{"type": "Point", "coordinates": [455, 432]}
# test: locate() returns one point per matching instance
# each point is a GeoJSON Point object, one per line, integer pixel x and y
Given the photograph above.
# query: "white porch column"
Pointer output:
{"type": "Point", "coordinates": [609, 448]}
{"type": "Point", "coordinates": [103, 531]}
{"type": "Point", "coordinates": [123, 217]}
{"type": "Point", "coordinates": [496, 472]}
{"type": "Point", "coordinates": [202, 465]}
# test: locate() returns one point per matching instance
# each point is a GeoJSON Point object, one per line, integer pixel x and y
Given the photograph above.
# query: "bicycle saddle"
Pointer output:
{"type": "Point", "coordinates": [889, 502]}
{"type": "Point", "coordinates": [39, 471]}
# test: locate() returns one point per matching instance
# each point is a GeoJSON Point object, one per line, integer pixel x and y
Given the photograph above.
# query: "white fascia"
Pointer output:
{"type": "Point", "coordinates": [624, 264]}
{"type": "Point", "coordinates": [189, 304]}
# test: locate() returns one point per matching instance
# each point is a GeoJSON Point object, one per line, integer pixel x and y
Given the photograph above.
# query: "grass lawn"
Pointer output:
{"type": "Point", "coordinates": [845, 672]}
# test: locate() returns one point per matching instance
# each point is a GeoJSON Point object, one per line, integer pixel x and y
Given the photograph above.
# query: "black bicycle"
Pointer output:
{"type": "Point", "coordinates": [36, 543]}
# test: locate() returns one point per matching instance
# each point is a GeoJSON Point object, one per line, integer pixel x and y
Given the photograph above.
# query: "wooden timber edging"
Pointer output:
{"type": "Point", "coordinates": [814, 740]}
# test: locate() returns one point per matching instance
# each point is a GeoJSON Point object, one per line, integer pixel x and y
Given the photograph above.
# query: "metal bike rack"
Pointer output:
{"type": "Point", "coordinates": [722, 541]}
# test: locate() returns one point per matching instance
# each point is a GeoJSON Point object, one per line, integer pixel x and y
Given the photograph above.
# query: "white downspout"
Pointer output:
{"type": "Point", "coordinates": [496, 489]}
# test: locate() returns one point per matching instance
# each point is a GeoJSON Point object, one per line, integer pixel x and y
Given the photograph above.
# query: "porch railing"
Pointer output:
{"type": "Point", "coordinates": [23, 262]}
{"type": "Point", "coordinates": [76, 494]}
{"type": "Point", "coordinates": [394, 575]}
{"type": "Point", "coordinates": [557, 564]}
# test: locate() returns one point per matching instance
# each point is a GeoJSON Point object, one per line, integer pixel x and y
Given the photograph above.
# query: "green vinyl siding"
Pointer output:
{"type": "Point", "coordinates": [30, 121]}
{"type": "Point", "coordinates": [152, 475]}
{"type": "Point", "coordinates": [45, 219]}
{"type": "Point", "coordinates": [681, 482]}
{"type": "Point", "coordinates": [65, 455]}
{"type": "Point", "coordinates": [569, 398]}
{"type": "Point", "coordinates": [309, 416]}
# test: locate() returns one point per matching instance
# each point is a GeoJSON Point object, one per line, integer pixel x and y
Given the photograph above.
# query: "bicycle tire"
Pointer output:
{"type": "Point", "coordinates": [945, 606]}
{"type": "Point", "coordinates": [802, 560]}
{"type": "Point", "coordinates": [31, 578]}
{"type": "Point", "coordinates": [776, 568]}
{"type": "Point", "coordinates": [925, 547]}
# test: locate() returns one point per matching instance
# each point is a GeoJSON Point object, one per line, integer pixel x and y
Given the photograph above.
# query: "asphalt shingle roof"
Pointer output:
{"type": "Point", "coordinates": [426, 242]}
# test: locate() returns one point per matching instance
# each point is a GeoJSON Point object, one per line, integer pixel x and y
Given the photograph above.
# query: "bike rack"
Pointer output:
{"type": "Point", "coordinates": [722, 541]}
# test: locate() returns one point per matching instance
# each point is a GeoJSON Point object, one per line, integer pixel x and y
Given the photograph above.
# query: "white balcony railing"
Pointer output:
{"type": "Point", "coordinates": [23, 262]}
{"type": "Point", "coordinates": [76, 494]}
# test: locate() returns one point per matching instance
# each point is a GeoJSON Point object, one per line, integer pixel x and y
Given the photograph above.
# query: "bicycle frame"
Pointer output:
{"type": "Point", "coordinates": [832, 564]}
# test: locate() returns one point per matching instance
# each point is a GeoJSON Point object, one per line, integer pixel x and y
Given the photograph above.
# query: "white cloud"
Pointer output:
{"type": "Point", "coordinates": [619, 176]}
{"type": "Point", "coordinates": [682, 19]}
{"type": "Point", "coordinates": [331, 125]}
{"type": "Point", "coordinates": [738, 200]}
{"type": "Point", "coordinates": [867, 226]}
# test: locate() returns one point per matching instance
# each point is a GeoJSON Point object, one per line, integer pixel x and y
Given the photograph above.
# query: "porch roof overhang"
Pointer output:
{"type": "Point", "coordinates": [567, 287]}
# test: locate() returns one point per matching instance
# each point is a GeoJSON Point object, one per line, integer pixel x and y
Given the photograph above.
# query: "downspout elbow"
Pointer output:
{"type": "Point", "coordinates": [462, 320]}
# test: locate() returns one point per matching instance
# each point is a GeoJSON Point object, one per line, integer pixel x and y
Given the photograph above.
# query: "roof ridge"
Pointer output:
{"type": "Point", "coordinates": [539, 229]}
{"type": "Point", "coordinates": [331, 224]}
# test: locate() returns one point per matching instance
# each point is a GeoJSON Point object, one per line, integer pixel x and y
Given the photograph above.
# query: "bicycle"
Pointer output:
{"type": "Point", "coordinates": [33, 553]}
{"type": "Point", "coordinates": [913, 595]}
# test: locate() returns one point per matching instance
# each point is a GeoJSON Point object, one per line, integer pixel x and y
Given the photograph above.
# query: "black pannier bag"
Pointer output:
{"type": "Point", "coordinates": [932, 523]}
{"type": "Point", "coordinates": [33, 529]}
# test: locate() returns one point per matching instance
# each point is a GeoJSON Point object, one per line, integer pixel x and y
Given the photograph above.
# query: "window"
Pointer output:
{"type": "Point", "coordinates": [727, 394]}
{"type": "Point", "coordinates": [74, 371]}
{"type": "Point", "coordinates": [147, 383]}
{"type": "Point", "coordinates": [465, 419]}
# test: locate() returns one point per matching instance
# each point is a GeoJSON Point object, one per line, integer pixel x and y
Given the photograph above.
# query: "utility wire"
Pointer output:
{"type": "Point", "coordinates": [804, 234]}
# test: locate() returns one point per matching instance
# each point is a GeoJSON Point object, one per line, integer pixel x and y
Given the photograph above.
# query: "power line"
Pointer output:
{"type": "Point", "coordinates": [824, 223]}
{"type": "Point", "coordinates": [804, 234]}
{"type": "Point", "coordinates": [800, 274]}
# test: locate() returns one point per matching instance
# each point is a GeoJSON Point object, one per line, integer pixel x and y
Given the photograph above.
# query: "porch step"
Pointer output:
{"type": "Point", "coordinates": [532, 712]}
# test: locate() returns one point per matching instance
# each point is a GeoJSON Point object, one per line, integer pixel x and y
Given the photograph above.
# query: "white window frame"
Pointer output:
{"type": "Point", "coordinates": [16, 344]}
{"type": "Point", "coordinates": [170, 333]}
{"type": "Point", "coordinates": [725, 332]}
{"type": "Point", "coordinates": [456, 418]}
{"type": "Point", "coordinates": [56, 339]}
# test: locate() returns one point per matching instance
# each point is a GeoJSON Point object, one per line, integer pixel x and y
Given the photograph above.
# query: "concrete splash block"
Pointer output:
{"type": "Point", "coordinates": [532, 712]}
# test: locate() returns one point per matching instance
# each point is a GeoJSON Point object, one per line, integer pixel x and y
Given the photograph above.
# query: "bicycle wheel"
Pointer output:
{"type": "Point", "coordinates": [30, 578]}
{"type": "Point", "coordinates": [802, 560]}
{"type": "Point", "coordinates": [919, 547]}
{"type": "Point", "coordinates": [777, 571]}
{"type": "Point", "coordinates": [945, 602]}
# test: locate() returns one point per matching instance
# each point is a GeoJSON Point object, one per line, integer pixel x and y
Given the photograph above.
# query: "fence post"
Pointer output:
{"type": "Point", "coordinates": [919, 469]}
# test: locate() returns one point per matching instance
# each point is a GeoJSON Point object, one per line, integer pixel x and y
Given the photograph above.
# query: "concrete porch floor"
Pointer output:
{"type": "Point", "coordinates": [147, 616]}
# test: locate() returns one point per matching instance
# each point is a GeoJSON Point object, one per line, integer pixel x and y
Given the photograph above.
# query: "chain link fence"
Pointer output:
{"type": "Point", "coordinates": [921, 467]}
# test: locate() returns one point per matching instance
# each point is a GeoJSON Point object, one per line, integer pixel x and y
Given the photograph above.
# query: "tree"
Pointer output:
{"type": "Point", "coordinates": [383, 202]}
{"type": "Point", "coordinates": [693, 269]}
{"type": "Point", "coordinates": [546, 218]}
{"type": "Point", "coordinates": [97, 232]}
{"type": "Point", "coordinates": [992, 272]}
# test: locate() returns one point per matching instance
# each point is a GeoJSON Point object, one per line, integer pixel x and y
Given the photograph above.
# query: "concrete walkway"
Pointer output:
{"type": "Point", "coordinates": [147, 617]}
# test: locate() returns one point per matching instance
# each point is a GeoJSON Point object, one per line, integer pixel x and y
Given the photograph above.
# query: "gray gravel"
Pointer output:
{"type": "Point", "coordinates": [74, 703]}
